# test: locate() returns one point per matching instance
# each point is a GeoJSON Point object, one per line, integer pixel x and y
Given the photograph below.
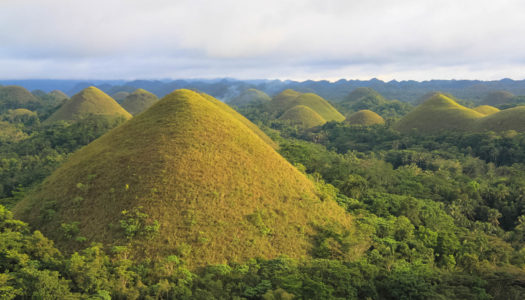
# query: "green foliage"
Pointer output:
{"type": "Point", "coordinates": [135, 224]}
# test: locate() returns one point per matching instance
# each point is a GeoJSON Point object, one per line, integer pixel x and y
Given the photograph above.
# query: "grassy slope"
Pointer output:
{"type": "Point", "coordinates": [319, 105]}
{"type": "Point", "coordinates": [437, 113]}
{"type": "Point", "coordinates": [302, 116]}
{"type": "Point", "coordinates": [120, 96]}
{"type": "Point", "coordinates": [290, 98]}
{"type": "Point", "coordinates": [507, 119]}
{"type": "Point", "coordinates": [365, 117]}
{"type": "Point", "coordinates": [89, 101]}
{"type": "Point", "coordinates": [486, 109]}
{"type": "Point", "coordinates": [250, 96]}
{"type": "Point", "coordinates": [361, 93]}
{"type": "Point", "coordinates": [17, 97]}
{"type": "Point", "coordinates": [209, 180]}
{"type": "Point", "coordinates": [138, 101]}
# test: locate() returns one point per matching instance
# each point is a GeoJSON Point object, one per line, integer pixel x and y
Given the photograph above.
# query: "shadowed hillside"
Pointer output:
{"type": "Point", "coordinates": [138, 101]}
{"type": "Point", "coordinates": [189, 178]}
{"type": "Point", "coordinates": [365, 117]}
{"type": "Point", "coordinates": [12, 97]}
{"type": "Point", "coordinates": [249, 97]}
{"type": "Point", "coordinates": [507, 119]}
{"type": "Point", "coordinates": [90, 101]}
{"type": "Point", "coordinates": [120, 96]}
{"type": "Point", "coordinates": [497, 98]}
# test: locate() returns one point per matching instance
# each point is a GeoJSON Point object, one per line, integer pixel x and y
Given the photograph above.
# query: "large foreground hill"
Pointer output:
{"type": "Point", "coordinates": [194, 179]}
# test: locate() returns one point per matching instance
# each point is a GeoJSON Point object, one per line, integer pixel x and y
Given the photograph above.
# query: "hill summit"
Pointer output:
{"type": "Point", "coordinates": [13, 97]}
{"type": "Point", "coordinates": [249, 97]}
{"type": "Point", "coordinates": [290, 98]}
{"type": "Point", "coordinates": [486, 109]}
{"type": "Point", "coordinates": [302, 116]}
{"type": "Point", "coordinates": [365, 117]}
{"type": "Point", "coordinates": [138, 101]}
{"type": "Point", "coordinates": [186, 177]}
{"type": "Point", "coordinates": [438, 112]}
{"type": "Point", "coordinates": [89, 101]}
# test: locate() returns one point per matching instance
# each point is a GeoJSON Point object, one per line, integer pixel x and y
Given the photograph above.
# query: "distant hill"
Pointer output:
{"type": "Point", "coordinates": [486, 109]}
{"type": "Point", "coordinates": [90, 101]}
{"type": "Point", "coordinates": [12, 97]}
{"type": "Point", "coordinates": [138, 101]}
{"type": "Point", "coordinates": [438, 112]}
{"type": "Point", "coordinates": [497, 98]}
{"type": "Point", "coordinates": [249, 97]}
{"type": "Point", "coordinates": [120, 96]}
{"type": "Point", "coordinates": [193, 172]}
{"type": "Point", "coordinates": [302, 116]}
{"type": "Point", "coordinates": [365, 117]}
{"type": "Point", "coordinates": [362, 93]}
{"type": "Point", "coordinates": [290, 98]}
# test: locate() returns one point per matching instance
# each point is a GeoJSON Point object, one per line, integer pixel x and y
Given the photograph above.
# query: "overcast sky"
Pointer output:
{"type": "Point", "coordinates": [285, 39]}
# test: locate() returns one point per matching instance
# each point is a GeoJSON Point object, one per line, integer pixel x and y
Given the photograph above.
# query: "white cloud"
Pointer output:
{"type": "Point", "coordinates": [284, 39]}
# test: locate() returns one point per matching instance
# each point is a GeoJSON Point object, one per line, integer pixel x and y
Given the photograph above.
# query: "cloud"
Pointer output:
{"type": "Point", "coordinates": [283, 39]}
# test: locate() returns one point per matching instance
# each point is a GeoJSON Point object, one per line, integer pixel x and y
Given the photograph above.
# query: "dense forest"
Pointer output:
{"type": "Point", "coordinates": [435, 214]}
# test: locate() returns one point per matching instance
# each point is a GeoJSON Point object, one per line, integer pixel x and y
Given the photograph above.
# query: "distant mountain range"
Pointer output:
{"type": "Point", "coordinates": [227, 89]}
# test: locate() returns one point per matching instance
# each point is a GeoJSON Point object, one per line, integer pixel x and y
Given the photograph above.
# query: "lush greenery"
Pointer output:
{"type": "Point", "coordinates": [436, 215]}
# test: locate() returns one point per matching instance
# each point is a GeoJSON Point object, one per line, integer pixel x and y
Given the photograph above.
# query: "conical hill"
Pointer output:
{"type": "Point", "coordinates": [12, 97]}
{"type": "Point", "coordinates": [437, 113]}
{"type": "Point", "coordinates": [290, 98]}
{"type": "Point", "coordinates": [302, 116]}
{"type": "Point", "coordinates": [120, 96]}
{"type": "Point", "coordinates": [90, 101]}
{"type": "Point", "coordinates": [138, 101]}
{"type": "Point", "coordinates": [215, 189]}
{"type": "Point", "coordinates": [507, 119]}
{"type": "Point", "coordinates": [361, 93]}
{"type": "Point", "coordinates": [250, 97]}
{"type": "Point", "coordinates": [486, 109]}
{"type": "Point", "coordinates": [365, 117]}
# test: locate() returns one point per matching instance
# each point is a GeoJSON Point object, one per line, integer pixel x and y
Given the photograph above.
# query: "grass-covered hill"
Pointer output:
{"type": "Point", "coordinates": [362, 93]}
{"type": "Point", "coordinates": [186, 177]}
{"type": "Point", "coordinates": [302, 116]}
{"type": "Point", "coordinates": [250, 96]}
{"type": "Point", "coordinates": [12, 97]}
{"type": "Point", "coordinates": [497, 98]}
{"type": "Point", "coordinates": [120, 96]}
{"type": "Point", "coordinates": [290, 98]}
{"type": "Point", "coordinates": [486, 109]}
{"type": "Point", "coordinates": [59, 95]}
{"type": "Point", "coordinates": [90, 101]}
{"type": "Point", "coordinates": [507, 119]}
{"type": "Point", "coordinates": [439, 112]}
{"type": "Point", "coordinates": [138, 101]}
{"type": "Point", "coordinates": [365, 117]}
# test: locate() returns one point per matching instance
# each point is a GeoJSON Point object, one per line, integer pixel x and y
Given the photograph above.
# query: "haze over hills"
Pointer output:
{"type": "Point", "coordinates": [226, 89]}
{"type": "Point", "coordinates": [138, 101]}
{"type": "Point", "coordinates": [365, 117]}
{"type": "Point", "coordinates": [250, 97]}
{"type": "Point", "coordinates": [217, 191]}
{"type": "Point", "coordinates": [90, 101]}
{"type": "Point", "coordinates": [497, 98]}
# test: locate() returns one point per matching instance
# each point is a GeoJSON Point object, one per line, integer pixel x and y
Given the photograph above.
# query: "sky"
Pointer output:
{"type": "Point", "coordinates": [271, 39]}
